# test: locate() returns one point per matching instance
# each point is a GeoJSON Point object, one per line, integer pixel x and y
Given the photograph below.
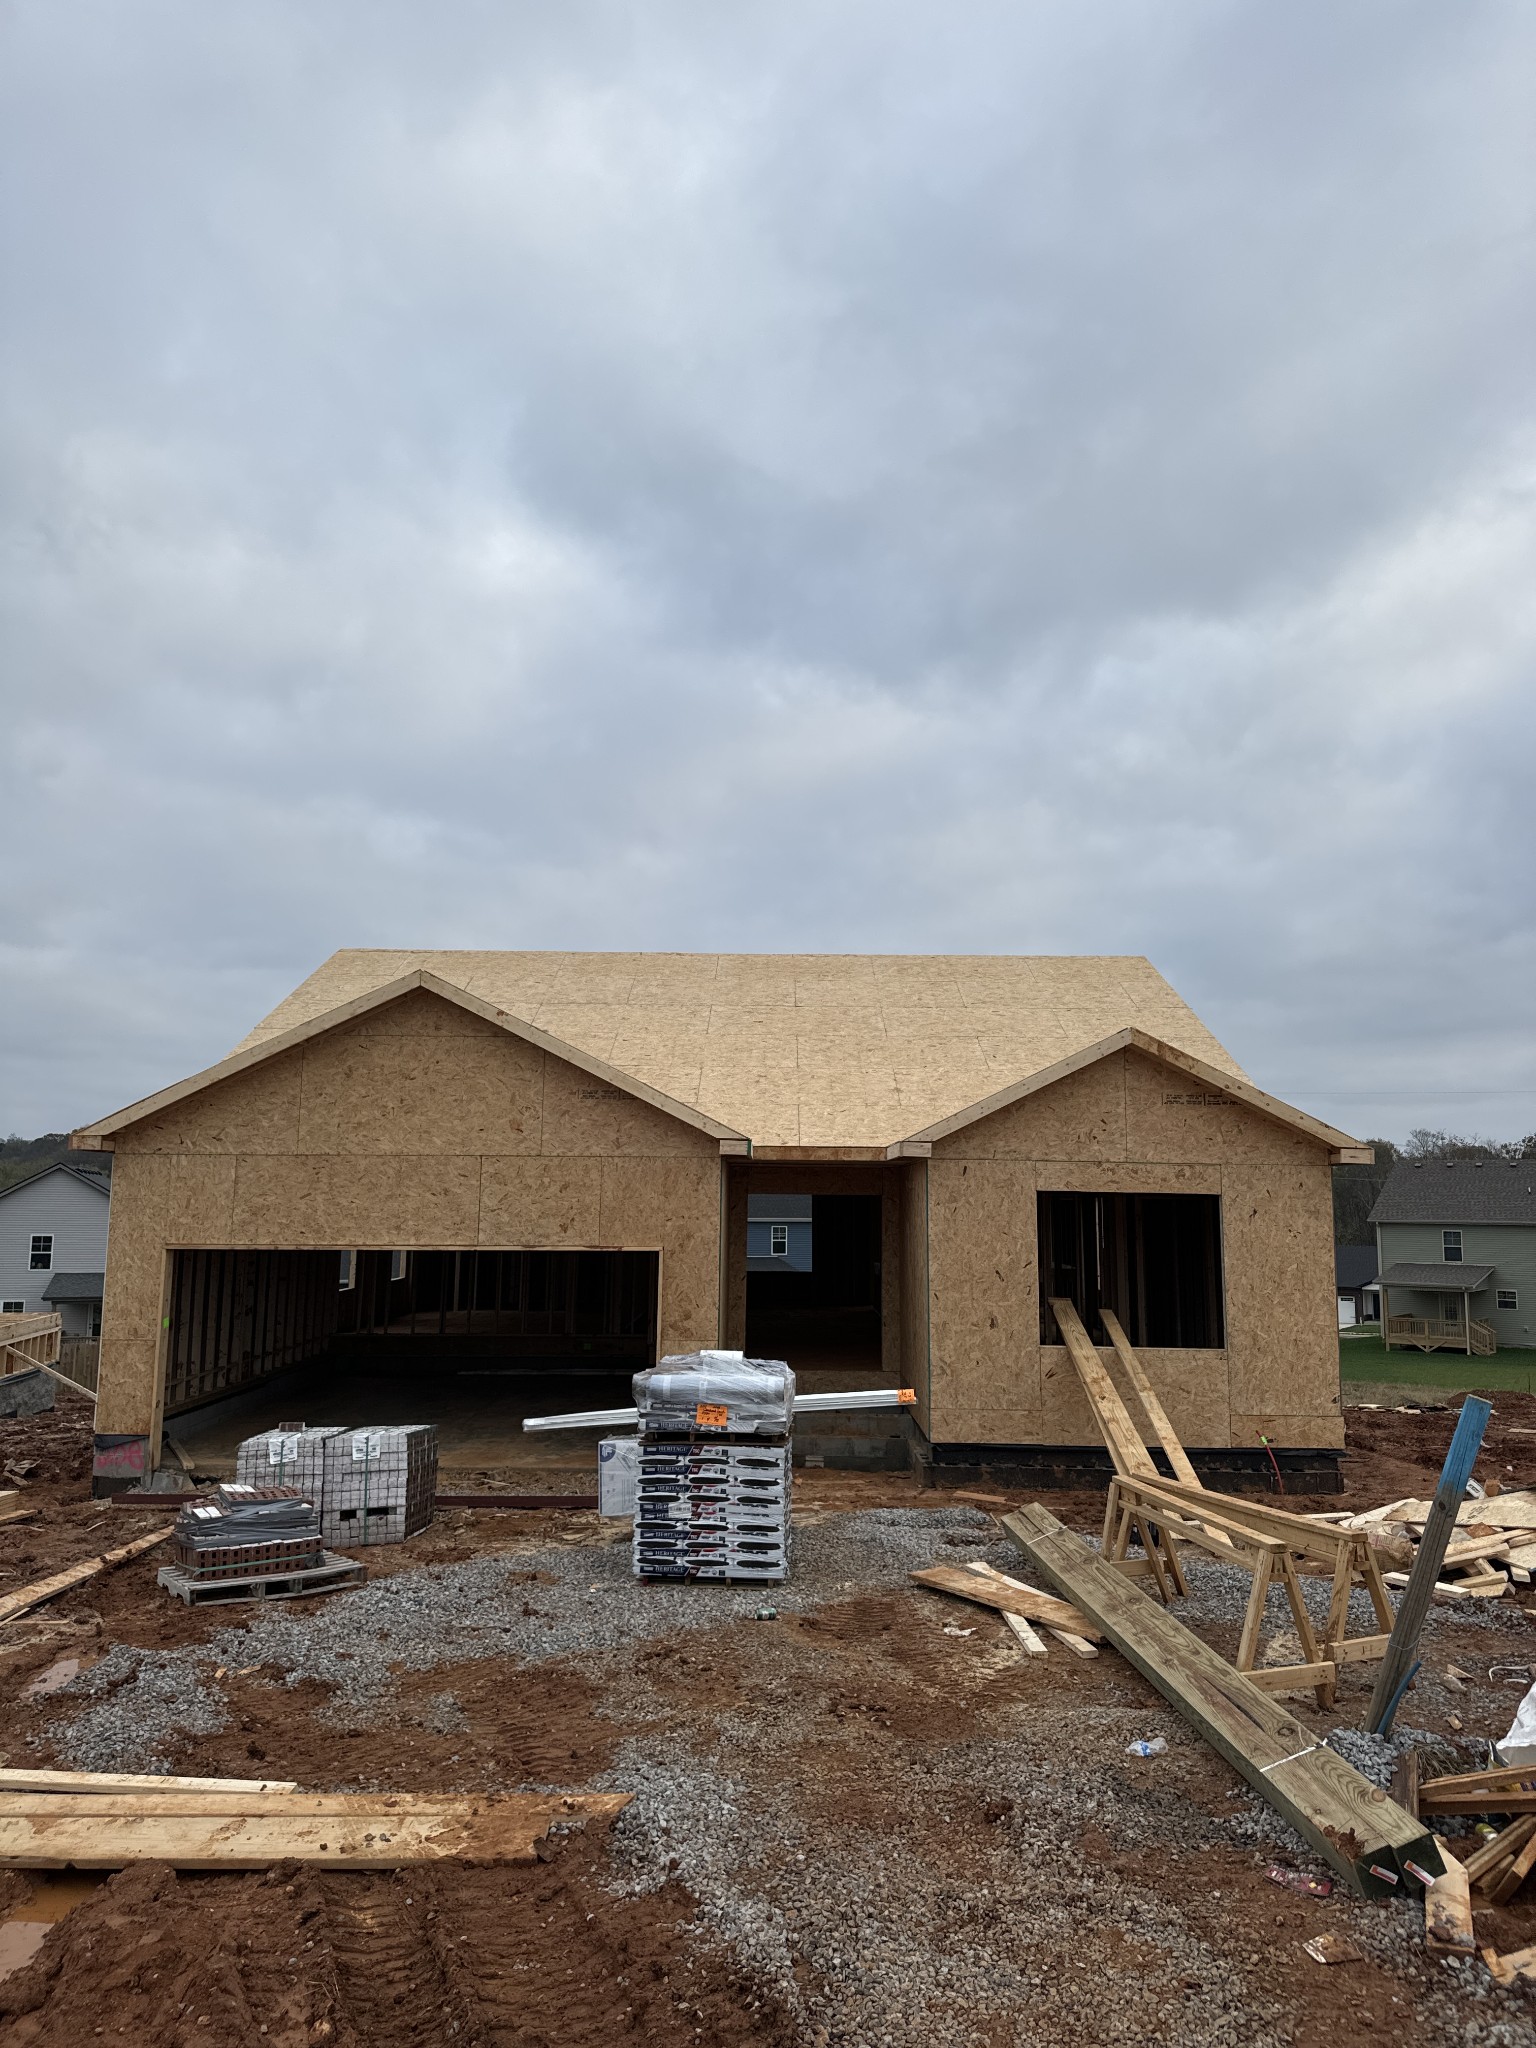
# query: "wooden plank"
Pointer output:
{"type": "Point", "coordinates": [111, 1782]}
{"type": "Point", "coordinates": [1510, 1881]}
{"type": "Point", "coordinates": [1448, 1909]}
{"type": "Point", "coordinates": [1006, 1599]}
{"type": "Point", "coordinates": [1495, 1778]}
{"type": "Point", "coordinates": [241, 1805]}
{"type": "Point", "coordinates": [1033, 1647]}
{"type": "Point", "coordinates": [1296, 1532]}
{"type": "Point", "coordinates": [1292, 1677]}
{"type": "Point", "coordinates": [1503, 1848]}
{"type": "Point", "coordinates": [1359, 1649]}
{"type": "Point", "coordinates": [1511, 1799]}
{"type": "Point", "coordinates": [383, 1840]}
{"type": "Point", "coordinates": [1520, 1962]}
{"type": "Point", "coordinates": [1351, 1824]}
{"type": "Point", "coordinates": [1396, 1666]}
{"type": "Point", "coordinates": [1078, 1645]}
{"type": "Point", "coordinates": [1146, 1394]}
{"type": "Point", "coordinates": [76, 1575]}
{"type": "Point", "coordinates": [1404, 1788]}
{"type": "Point", "coordinates": [1128, 1452]}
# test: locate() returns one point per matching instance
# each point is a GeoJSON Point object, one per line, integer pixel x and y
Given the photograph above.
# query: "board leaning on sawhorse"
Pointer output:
{"type": "Point", "coordinates": [1270, 1545]}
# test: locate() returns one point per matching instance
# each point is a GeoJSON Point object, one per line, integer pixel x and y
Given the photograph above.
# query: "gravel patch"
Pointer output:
{"type": "Point", "coordinates": [527, 1604]}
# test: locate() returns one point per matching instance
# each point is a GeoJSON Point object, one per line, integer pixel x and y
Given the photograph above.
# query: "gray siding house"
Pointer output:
{"type": "Point", "coordinates": [53, 1246]}
{"type": "Point", "coordinates": [778, 1233]}
{"type": "Point", "coordinates": [1456, 1251]}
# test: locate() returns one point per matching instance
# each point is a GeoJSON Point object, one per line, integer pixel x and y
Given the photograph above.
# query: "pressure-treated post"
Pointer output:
{"type": "Point", "coordinates": [1466, 1442]}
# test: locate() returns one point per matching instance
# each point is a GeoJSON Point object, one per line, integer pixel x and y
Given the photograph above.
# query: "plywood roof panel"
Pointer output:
{"type": "Point", "coordinates": [804, 1049]}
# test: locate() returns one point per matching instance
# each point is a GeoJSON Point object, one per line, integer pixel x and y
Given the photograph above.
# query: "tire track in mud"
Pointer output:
{"type": "Point", "coordinates": [391, 1985]}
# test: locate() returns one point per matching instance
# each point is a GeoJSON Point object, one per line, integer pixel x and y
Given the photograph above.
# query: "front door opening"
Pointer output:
{"type": "Point", "coordinates": [1154, 1260]}
{"type": "Point", "coordinates": [815, 1302]}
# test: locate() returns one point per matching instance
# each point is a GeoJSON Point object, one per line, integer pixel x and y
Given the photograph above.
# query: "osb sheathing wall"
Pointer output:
{"type": "Point", "coordinates": [1129, 1123]}
{"type": "Point", "coordinates": [417, 1125]}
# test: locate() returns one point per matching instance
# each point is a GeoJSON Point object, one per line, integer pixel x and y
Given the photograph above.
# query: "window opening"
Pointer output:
{"type": "Point", "coordinates": [1508, 1297]}
{"type": "Point", "coordinates": [42, 1253]}
{"type": "Point", "coordinates": [778, 1240]}
{"type": "Point", "coordinates": [1155, 1260]}
{"type": "Point", "coordinates": [1450, 1245]}
{"type": "Point", "coordinates": [13, 1308]}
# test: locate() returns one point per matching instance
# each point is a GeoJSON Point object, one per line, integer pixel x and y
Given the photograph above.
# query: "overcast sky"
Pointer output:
{"type": "Point", "coordinates": [872, 477]}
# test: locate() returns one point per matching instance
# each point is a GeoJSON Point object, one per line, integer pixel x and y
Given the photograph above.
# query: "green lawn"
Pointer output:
{"type": "Point", "coordinates": [1365, 1357]}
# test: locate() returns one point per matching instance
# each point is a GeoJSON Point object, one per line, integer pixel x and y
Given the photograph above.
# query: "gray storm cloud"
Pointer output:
{"type": "Point", "coordinates": [872, 478]}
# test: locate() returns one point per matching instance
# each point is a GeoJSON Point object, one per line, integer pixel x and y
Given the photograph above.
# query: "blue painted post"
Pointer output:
{"type": "Point", "coordinates": [1397, 1666]}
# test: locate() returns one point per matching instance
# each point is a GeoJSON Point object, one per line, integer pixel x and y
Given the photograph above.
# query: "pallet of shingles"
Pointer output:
{"type": "Point", "coordinates": [53, 1820]}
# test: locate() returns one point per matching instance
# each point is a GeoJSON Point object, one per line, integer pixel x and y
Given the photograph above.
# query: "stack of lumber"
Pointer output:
{"type": "Point", "coordinates": [1492, 1551]}
{"type": "Point", "coordinates": [1369, 1840]}
{"type": "Point", "coordinates": [55, 1820]}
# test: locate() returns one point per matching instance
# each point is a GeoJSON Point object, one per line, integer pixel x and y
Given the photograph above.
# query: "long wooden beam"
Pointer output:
{"type": "Point", "coordinates": [481, 1831]}
{"type": "Point", "coordinates": [76, 1574]}
{"type": "Point", "coordinates": [1122, 1438]}
{"type": "Point", "coordinates": [1398, 1664]}
{"type": "Point", "coordinates": [1146, 1394]}
{"type": "Point", "coordinates": [1372, 1844]}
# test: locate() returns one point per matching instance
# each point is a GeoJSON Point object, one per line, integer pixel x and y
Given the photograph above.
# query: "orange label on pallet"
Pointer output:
{"type": "Point", "coordinates": [905, 1394]}
{"type": "Point", "coordinates": [712, 1415]}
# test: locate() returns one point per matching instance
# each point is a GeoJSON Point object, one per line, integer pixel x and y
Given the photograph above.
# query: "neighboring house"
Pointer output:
{"type": "Point", "coordinates": [1456, 1245]}
{"type": "Point", "coordinates": [53, 1246]}
{"type": "Point", "coordinates": [778, 1233]}
{"type": "Point", "coordinates": [1354, 1267]}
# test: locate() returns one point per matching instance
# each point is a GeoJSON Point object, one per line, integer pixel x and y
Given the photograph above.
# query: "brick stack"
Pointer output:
{"type": "Point", "coordinates": [712, 1493]}
{"type": "Point", "coordinates": [248, 1532]}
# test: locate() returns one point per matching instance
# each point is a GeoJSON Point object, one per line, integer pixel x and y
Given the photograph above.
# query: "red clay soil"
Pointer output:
{"type": "Point", "coordinates": [544, 1955]}
{"type": "Point", "coordinates": [505, 1958]}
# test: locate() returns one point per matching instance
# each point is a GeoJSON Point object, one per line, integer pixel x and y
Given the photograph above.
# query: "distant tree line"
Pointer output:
{"type": "Point", "coordinates": [20, 1158]}
{"type": "Point", "coordinates": [1355, 1188]}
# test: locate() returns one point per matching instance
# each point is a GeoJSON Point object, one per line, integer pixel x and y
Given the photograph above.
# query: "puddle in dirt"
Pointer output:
{"type": "Point", "coordinates": [53, 1895]}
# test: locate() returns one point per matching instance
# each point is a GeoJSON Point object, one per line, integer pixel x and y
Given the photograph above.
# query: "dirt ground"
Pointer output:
{"type": "Point", "coordinates": [871, 1704]}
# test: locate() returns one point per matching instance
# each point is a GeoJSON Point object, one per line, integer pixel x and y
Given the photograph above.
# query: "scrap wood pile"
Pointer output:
{"type": "Point", "coordinates": [53, 1820]}
{"type": "Point", "coordinates": [1492, 1552]}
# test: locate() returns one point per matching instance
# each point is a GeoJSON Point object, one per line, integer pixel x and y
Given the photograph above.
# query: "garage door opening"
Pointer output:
{"type": "Point", "coordinates": [813, 1282]}
{"type": "Point", "coordinates": [469, 1340]}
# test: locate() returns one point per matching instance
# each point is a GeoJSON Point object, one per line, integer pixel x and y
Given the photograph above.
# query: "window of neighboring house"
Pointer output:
{"type": "Point", "coordinates": [42, 1253]}
{"type": "Point", "coordinates": [13, 1308]}
{"type": "Point", "coordinates": [397, 1265]}
{"type": "Point", "coordinates": [1155, 1260]}
{"type": "Point", "coordinates": [778, 1240]}
{"type": "Point", "coordinates": [93, 1325]}
{"type": "Point", "coordinates": [1450, 1308]}
{"type": "Point", "coordinates": [1508, 1298]}
{"type": "Point", "coordinates": [348, 1269]}
{"type": "Point", "coordinates": [1450, 1246]}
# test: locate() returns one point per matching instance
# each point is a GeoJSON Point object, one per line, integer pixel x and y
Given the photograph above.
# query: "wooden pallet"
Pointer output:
{"type": "Point", "coordinates": [333, 1574]}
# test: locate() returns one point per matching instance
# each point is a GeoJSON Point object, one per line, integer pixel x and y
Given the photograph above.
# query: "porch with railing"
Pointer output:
{"type": "Point", "coordinates": [1439, 1333]}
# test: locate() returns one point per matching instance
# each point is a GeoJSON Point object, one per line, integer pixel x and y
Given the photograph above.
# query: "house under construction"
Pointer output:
{"type": "Point", "coordinates": [541, 1164]}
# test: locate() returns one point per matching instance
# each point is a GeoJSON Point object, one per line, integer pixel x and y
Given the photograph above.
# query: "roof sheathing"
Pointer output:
{"type": "Point", "coordinates": [798, 1050]}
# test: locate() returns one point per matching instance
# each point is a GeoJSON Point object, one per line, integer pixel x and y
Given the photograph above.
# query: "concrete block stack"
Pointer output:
{"type": "Point", "coordinates": [712, 1492]}
{"type": "Point", "coordinates": [292, 1456]}
{"type": "Point", "coordinates": [370, 1485]}
{"type": "Point", "coordinates": [379, 1484]}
